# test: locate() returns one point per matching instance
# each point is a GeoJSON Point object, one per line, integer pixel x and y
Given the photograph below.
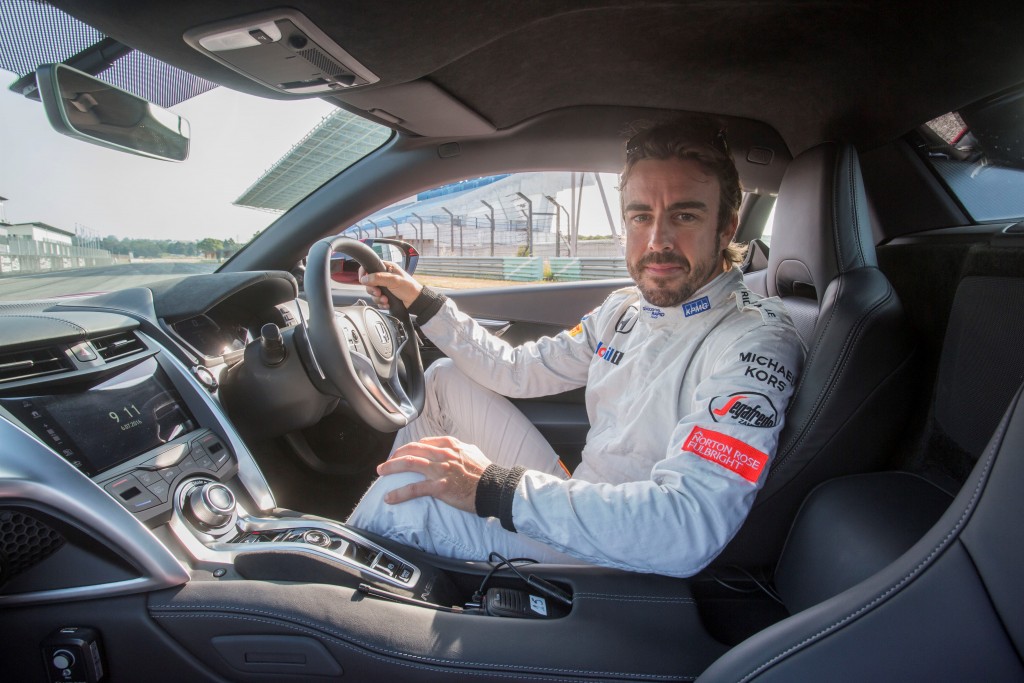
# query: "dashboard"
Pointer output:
{"type": "Point", "coordinates": [93, 378]}
{"type": "Point", "coordinates": [111, 399]}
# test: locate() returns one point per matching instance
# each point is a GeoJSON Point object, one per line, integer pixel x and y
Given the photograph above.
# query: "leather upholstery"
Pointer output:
{"type": "Point", "coordinates": [947, 609]}
{"type": "Point", "coordinates": [851, 527]}
{"type": "Point", "coordinates": [621, 627]}
{"type": "Point", "coordinates": [824, 225]}
{"type": "Point", "coordinates": [854, 391]}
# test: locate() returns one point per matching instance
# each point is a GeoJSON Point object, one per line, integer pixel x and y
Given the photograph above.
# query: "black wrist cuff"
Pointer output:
{"type": "Point", "coordinates": [496, 491]}
{"type": "Point", "coordinates": [426, 305]}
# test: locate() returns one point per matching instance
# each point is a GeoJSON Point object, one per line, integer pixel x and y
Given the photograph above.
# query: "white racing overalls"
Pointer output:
{"type": "Point", "coordinates": [685, 405]}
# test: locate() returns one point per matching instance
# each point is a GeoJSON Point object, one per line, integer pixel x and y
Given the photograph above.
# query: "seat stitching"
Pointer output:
{"type": "Point", "coordinates": [854, 204]}
{"type": "Point", "coordinates": [835, 208]}
{"type": "Point", "coordinates": [828, 388]}
{"type": "Point", "coordinates": [856, 331]}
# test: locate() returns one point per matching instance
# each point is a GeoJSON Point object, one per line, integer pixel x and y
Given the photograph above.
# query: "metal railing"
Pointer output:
{"type": "Point", "coordinates": [23, 256]}
{"type": "Point", "coordinates": [15, 246]}
{"type": "Point", "coordinates": [524, 269]}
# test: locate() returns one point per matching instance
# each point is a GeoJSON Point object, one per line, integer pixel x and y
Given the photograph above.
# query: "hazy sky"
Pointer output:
{"type": "Point", "coordinates": [50, 178]}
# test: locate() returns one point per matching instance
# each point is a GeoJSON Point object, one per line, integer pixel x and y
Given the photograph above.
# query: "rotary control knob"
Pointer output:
{"type": "Point", "coordinates": [317, 537]}
{"type": "Point", "coordinates": [210, 505]}
{"type": "Point", "coordinates": [63, 659]}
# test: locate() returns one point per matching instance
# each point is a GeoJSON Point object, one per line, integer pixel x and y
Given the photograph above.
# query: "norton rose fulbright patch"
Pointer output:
{"type": "Point", "coordinates": [730, 453]}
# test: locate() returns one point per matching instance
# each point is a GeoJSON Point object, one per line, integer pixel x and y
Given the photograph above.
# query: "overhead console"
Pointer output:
{"type": "Point", "coordinates": [283, 50]}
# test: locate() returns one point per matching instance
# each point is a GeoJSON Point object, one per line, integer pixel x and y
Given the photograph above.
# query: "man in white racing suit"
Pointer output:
{"type": "Point", "coordinates": [687, 374]}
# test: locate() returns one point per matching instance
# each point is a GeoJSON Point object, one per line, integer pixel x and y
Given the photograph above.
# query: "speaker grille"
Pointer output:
{"type": "Point", "coordinates": [323, 62]}
{"type": "Point", "coordinates": [24, 542]}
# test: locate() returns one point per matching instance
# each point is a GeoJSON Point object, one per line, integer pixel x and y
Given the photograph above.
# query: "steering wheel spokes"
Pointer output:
{"type": "Point", "coordinates": [361, 349]}
{"type": "Point", "coordinates": [376, 341]}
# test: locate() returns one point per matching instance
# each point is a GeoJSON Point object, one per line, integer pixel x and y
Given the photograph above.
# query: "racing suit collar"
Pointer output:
{"type": "Point", "coordinates": [711, 295]}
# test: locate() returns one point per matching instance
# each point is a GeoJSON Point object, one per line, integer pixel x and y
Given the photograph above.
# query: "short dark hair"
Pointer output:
{"type": "Point", "coordinates": [699, 139]}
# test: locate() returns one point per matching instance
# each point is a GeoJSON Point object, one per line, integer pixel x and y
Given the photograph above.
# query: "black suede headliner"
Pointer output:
{"type": "Point", "coordinates": [863, 72]}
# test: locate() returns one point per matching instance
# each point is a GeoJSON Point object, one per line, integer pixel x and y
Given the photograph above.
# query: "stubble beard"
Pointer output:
{"type": "Point", "coordinates": [661, 291]}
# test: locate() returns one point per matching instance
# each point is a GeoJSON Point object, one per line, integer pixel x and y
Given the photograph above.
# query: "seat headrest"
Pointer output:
{"type": "Point", "coordinates": [822, 225]}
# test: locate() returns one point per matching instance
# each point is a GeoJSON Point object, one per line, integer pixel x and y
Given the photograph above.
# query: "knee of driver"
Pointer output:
{"type": "Point", "coordinates": [439, 370]}
{"type": "Point", "coordinates": [444, 377]}
{"type": "Point", "coordinates": [372, 513]}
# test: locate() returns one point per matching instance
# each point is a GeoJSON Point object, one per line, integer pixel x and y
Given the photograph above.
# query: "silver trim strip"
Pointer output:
{"type": "Point", "coordinates": [33, 476]}
{"type": "Point", "coordinates": [215, 552]}
{"type": "Point", "coordinates": [249, 472]}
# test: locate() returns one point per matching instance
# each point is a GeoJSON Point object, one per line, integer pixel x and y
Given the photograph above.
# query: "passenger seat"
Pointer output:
{"type": "Point", "coordinates": [948, 609]}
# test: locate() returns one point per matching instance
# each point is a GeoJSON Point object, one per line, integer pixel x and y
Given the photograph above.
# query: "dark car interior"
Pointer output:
{"type": "Point", "coordinates": [886, 539]}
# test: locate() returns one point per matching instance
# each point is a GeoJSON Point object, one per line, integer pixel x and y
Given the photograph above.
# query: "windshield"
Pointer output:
{"type": "Point", "coordinates": [79, 218]}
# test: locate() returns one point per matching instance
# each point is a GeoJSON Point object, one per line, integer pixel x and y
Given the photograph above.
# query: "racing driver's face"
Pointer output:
{"type": "Point", "coordinates": [673, 245]}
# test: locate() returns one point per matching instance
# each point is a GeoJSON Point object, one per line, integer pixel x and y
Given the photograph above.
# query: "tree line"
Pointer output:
{"type": "Point", "coordinates": [150, 248]}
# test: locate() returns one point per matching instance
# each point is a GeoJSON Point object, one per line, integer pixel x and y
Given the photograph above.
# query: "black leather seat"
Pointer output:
{"type": "Point", "coordinates": [852, 397]}
{"type": "Point", "coordinates": [948, 609]}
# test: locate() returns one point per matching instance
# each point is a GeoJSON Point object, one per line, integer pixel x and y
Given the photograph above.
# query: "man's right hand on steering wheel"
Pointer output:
{"type": "Point", "coordinates": [397, 281]}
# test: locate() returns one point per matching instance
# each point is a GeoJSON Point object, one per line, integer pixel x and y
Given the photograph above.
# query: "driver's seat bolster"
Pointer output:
{"type": "Point", "coordinates": [947, 609]}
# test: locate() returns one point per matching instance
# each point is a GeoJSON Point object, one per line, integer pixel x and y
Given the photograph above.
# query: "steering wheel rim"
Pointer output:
{"type": "Point", "coordinates": [367, 375]}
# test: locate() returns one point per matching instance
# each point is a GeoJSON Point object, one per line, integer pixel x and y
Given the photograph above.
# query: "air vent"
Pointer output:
{"type": "Point", "coordinates": [118, 345]}
{"type": "Point", "coordinates": [32, 363]}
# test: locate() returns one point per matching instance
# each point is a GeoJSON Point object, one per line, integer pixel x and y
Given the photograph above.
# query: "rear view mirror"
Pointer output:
{"type": "Point", "coordinates": [83, 107]}
{"type": "Point", "coordinates": [345, 270]}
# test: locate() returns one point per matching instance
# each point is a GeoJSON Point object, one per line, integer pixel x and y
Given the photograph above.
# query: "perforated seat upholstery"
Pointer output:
{"type": "Point", "coordinates": [853, 395]}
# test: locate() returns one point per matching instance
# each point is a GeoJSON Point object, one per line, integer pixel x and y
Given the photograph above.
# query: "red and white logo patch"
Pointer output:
{"type": "Point", "coordinates": [730, 453]}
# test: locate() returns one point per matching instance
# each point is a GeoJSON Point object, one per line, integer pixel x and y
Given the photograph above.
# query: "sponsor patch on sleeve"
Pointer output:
{"type": "Point", "coordinates": [747, 408]}
{"type": "Point", "coordinates": [730, 453]}
{"type": "Point", "coordinates": [746, 300]}
{"type": "Point", "coordinates": [576, 331]}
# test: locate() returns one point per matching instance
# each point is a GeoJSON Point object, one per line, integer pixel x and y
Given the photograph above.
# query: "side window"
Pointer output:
{"type": "Point", "coordinates": [978, 154]}
{"type": "Point", "coordinates": [514, 228]}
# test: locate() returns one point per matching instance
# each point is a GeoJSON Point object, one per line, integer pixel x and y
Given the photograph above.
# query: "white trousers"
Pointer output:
{"type": "Point", "coordinates": [457, 406]}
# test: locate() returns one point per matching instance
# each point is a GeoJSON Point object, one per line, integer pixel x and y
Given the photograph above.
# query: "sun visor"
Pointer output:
{"type": "Point", "coordinates": [420, 107]}
{"type": "Point", "coordinates": [283, 50]}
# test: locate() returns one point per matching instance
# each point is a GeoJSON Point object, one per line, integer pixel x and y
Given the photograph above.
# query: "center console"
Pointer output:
{"type": "Point", "coordinates": [220, 532]}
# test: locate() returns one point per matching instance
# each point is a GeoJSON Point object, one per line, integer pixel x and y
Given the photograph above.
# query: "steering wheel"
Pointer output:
{"type": "Point", "coordinates": [360, 350]}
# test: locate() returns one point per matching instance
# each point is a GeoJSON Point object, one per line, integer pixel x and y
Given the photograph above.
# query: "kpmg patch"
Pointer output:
{"type": "Point", "coordinates": [696, 306]}
{"type": "Point", "coordinates": [730, 453]}
{"type": "Point", "coordinates": [627, 321]}
{"type": "Point", "coordinates": [745, 408]}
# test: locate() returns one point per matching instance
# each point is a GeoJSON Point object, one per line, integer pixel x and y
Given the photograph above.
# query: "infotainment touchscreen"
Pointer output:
{"type": "Point", "coordinates": [100, 425]}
